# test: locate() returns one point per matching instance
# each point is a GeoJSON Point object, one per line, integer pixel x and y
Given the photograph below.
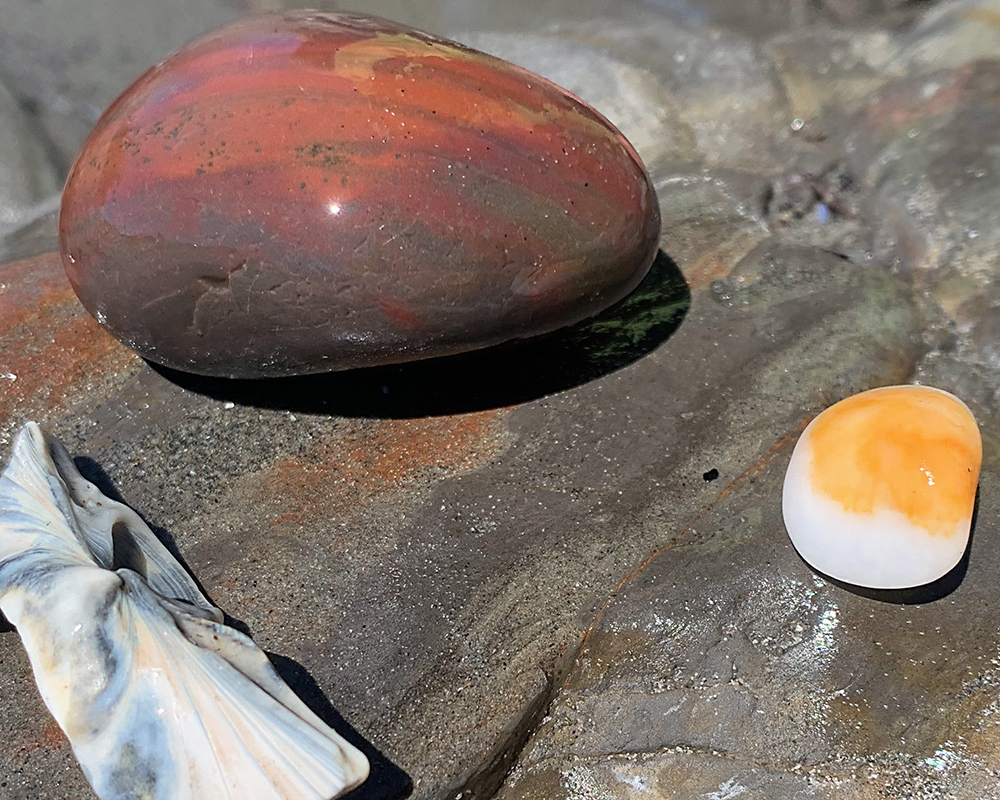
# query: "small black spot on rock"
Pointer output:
{"type": "Point", "coordinates": [711, 475]}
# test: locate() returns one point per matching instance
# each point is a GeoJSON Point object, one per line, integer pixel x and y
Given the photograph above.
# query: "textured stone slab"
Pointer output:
{"type": "Point", "coordinates": [483, 539]}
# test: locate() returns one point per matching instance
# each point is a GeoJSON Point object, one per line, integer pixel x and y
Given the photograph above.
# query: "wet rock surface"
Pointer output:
{"type": "Point", "coordinates": [726, 666]}
{"type": "Point", "coordinates": [517, 581]}
{"type": "Point", "coordinates": [27, 178]}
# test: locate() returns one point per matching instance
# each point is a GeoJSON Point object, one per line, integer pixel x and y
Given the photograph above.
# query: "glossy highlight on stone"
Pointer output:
{"type": "Point", "coordinates": [881, 487]}
{"type": "Point", "coordinates": [301, 192]}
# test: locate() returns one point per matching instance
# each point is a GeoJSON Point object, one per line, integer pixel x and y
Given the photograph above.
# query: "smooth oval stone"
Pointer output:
{"type": "Point", "coordinates": [881, 487]}
{"type": "Point", "coordinates": [303, 192]}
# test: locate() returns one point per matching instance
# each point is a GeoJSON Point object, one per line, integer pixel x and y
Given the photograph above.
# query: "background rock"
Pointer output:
{"type": "Point", "coordinates": [631, 97]}
{"type": "Point", "coordinates": [67, 61]}
{"type": "Point", "coordinates": [953, 33]}
{"type": "Point", "coordinates": [725, 666]}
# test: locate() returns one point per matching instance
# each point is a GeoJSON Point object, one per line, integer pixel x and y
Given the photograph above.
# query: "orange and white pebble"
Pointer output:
{"type": "Point", "coordinates": [881, 487]}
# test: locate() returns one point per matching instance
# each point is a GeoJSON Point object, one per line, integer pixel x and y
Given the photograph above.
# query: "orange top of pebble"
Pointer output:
{"type": "Point", "coordinates": [911, 449]}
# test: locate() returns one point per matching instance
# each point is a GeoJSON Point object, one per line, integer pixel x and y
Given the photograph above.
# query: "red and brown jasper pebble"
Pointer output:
{"type": "Point", "coordinates": [303, 192]}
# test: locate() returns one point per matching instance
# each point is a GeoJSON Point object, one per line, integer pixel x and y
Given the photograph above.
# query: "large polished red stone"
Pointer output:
{"type": "Point", "coordinates": [302, 192]}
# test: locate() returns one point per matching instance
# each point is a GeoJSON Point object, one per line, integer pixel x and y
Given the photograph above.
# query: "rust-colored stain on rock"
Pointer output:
{"type": "Point", "coordinates": [50, 737]}
{"type": "Point", "coordinates": [50, 348]}
{"type": "Point", "coordinates": [899, 106]}
{"type": "Point", "coordinates": [717, 259]}
{"type": "Point", "coordinates": [379, 457]}
{"type": "Point", "coordinates": [53, 737]}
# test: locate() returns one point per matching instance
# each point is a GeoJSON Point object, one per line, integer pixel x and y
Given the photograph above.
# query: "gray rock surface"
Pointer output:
{"type": "Point", "coordinates": [725, 667]}
{"type": "Point", "coordinates": [27, 177]}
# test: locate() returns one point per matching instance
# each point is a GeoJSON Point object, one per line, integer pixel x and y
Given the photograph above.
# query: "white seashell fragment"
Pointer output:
{"type": "Point", "coordinates": [160, 700]}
